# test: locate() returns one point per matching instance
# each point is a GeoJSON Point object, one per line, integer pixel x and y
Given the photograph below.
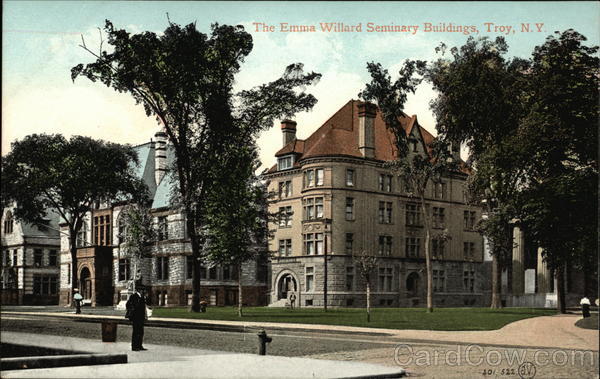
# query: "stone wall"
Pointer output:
{"type": "Point", "coordinates": [454, 292]}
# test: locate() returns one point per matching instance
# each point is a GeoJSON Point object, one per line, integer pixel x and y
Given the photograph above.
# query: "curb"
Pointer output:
{"type": "Point", "coordinates": [21, 363]}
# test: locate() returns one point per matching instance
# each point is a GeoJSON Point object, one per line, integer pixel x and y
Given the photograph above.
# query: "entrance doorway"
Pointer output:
{"type": "Point", "coordinates": [412, 284]}
{"type": "Point", "coordinates": [286, 284]}
{"type": "Point", "coordinates": [85, 284]}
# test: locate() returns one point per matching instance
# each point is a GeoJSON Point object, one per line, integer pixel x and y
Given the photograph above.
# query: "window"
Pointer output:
{"type": "Point", "coordinates": [15, 255]}
{"type": "Point", "coordinates": [439, 218]}
{"type": "Point", "coordinates": [469, 281]}
{"type": "Point", "coordinates": [385, 183]}
{"type": "Point", "coordinates": [313, 243]}
{"type": "Point", "coordinates": [313, 208]}
{"type": "Point", "coordinates": [438, 247]}
{"type": "Point", "coordinates": [8, 223]}
{"type": "Point", "coordinates": [439, 280]}
{"type": "Point", "coordinates": [310, 279]}
{"type": "Point", "coordinates": [68, 273]}
{"type": "Point", "coordinates": [385, 212]}
{"type": "Point", "coordinates": [285, 217]}
{"type": "Point", "coordinates": [124, 269]}
{"type": "Point", "coordinates": [313, 177]}
{"type": "Point", "coordinates": [285, 163]}
{"type": "Point", "coordinates": [385, 279]}
{"type": "Point", "coordinates": [162, 268]}
{"type": "Point", "coordinates": [439, 190]}
{"type": "Point", "coordinates": [37, 257]}
{"type": "Point", "coordinates": [189, 266]}
{"type": "Point", "coordinates": [385, 245]}
{"type": "Point", "coordinates": [163, 228]}
{"type": "Point", "coordinates": [81, 235]}
{"type": "Point", "coordinates": [469, 220]}
{"type": "Point", "coordinates": [122, 231]}
{"type": "Point", "coordinates": [349, 243]}
{"type": "Point", "coordinates": [350, 177]}
{"type": "Point", "coordinates": [212, 273]}
{"type": "Point", "coordinates": [52, 258]}
{"type": "Point", "coordinates": [414, 143]}
{"type": "Point", "coordinates": [102, 230]}
{"type": "Point", "coordinates": [413, 247]}
{"type": "Point", "coordinates": [45, 285]}
{"type": "Point", "coordinates": [285, 189]}
{"type": "Point", "coordinates": [469, 250]}
{"type": "Point", "coordinates": [285, 248]}
{"type": "Point", "coordinates": [349, 278]}
{"type": "Point", "coordinates": [203, 272]}
{"type": "Point", "coordinates": [349, 208]}
{"type": "Point", "coordinates": [413, 215]}
{"type": "Point", "coordinates": [226, 272]}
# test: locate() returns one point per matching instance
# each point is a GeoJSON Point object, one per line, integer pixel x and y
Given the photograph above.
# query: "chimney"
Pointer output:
{"type": "Point", "coordinates": [288, 129]}
{"type": "Point", "coordinates": [366, 129]}
{"type": "Point", "coordinates": [160, 156]}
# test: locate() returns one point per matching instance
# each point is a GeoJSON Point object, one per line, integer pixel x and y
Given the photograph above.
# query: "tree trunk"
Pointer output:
{"type": "Point", "coordinates": [240, 294]}
{"type": "Point", "coordinates": [368, 301]}
{"type": "Point", "coordinates": [428, 264]}
{"type": "Point", "coordinates": [496, 283]}
{"type": "Point", "coordinates": [73, 273]}
{"type": "Point", "coordinates": [560, 289]}
{"type": "Point", "coordinates": [195, 307]}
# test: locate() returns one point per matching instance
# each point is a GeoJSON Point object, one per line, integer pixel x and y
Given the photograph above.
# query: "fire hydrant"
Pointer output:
{"type": "Point", "coordinates": [263, 340]}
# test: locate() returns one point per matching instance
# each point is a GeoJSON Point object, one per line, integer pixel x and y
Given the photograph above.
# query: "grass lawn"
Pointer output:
{"type": "Point", "coordinates": [390, 318]}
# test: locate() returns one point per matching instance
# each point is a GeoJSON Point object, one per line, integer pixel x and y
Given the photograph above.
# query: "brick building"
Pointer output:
{"type": "Point", "coordinates": [104, 268]}
{"type": "Point", "coordinates": [30, 261]}
{"type": "Point", "coordinates": [336, 198]}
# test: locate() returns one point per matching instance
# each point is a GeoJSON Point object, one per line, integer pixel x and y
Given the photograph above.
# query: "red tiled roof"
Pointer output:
{"type": "Point", "coordinates": [339, 136]}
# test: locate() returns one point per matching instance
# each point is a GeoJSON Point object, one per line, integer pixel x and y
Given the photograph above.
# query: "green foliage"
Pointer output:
{"type": "Point", "coordinates": [49, 171]}
{"type": "Point", "coordinates": [478, 100]}
{"type": "Point", "coordinates": [560, 202]}
{"type": "Point", "coordinates": [185, 79]}
{"type": "Point", "coordinates": [138, 231]}
{"type": "Point", "coordinates": [235, 222]}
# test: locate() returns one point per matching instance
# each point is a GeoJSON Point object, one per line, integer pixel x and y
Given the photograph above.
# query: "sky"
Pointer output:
{"type": "Point", "coordinates": [40, 44]}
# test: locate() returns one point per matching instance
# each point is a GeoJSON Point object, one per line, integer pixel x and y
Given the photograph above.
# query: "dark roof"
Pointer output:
{"type": "Point", "coordinates": [339, 136]}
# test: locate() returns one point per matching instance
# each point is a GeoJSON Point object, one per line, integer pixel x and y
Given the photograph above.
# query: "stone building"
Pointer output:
{"type": "Point", "coordinates": [335, 198]}
{"type": "Point", "coordinates": [105, 269]}
{"type": "Point", "coordinates": [30, 261]}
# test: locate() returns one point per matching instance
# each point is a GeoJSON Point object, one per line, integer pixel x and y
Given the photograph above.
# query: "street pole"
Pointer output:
{"type": "Point", "coordinates": [325, 275]}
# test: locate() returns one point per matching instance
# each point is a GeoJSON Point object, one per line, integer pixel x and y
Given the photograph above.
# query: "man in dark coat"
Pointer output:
{"type": "Point", "coordinates": [136, 313]}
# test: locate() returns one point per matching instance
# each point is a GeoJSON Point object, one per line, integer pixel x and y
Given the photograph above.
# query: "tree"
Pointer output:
{"type": "Point", "coordinates": [366, 264]}
{"type": "Point", "coordinates": [236, 221]}
{"type": "Point", "coordinates": [137, 235]}
{"type": "Point", "coordinates": [417, 170]}
{"type": "Point", "coordinates": [479, 103]}
{"type": "Point", "coordinates": [51, 172]}
{"type": "Point", "coordinates": [561, 126]}
{"type": "Point", "coordinates": [185, 79]}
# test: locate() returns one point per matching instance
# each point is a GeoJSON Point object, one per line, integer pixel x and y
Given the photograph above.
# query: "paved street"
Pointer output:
{"type": "Point", "coordinates": [425, 358]}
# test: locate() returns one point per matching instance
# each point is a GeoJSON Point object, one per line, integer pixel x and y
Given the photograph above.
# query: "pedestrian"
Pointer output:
{"type": "Point", "coordinates": [585, 306]}
{"type": "Point", "coordinates": [77, 298]}
{"type": "Point", "coordinates": [292, 300]}
{"type": "Point", "coordinates": [136, 313]}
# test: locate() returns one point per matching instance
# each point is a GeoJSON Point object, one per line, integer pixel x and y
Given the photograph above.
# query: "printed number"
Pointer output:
{"type": "Point", "coordinates": [488, 371]}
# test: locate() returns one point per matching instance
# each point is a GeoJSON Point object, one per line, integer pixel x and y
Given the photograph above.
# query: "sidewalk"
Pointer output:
{"type": "Point", "coordinates": [539, 332]}
{"type": "Point", "coordinates": [162, 361]}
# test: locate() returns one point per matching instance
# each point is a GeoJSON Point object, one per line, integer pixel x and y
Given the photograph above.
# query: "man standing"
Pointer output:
{"type": "Point", "coordinates": [136, 313]}
{"type": "Point", "coordinates": [77, 298]}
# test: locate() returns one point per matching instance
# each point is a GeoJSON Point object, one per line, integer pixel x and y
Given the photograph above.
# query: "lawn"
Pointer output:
{"type": "Point", "coordinates": [390, 318]}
